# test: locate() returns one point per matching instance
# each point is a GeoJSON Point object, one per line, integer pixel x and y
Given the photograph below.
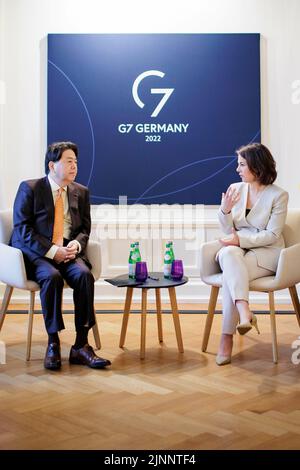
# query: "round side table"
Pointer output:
{"type": "Point", "coordinates": [155, 281]}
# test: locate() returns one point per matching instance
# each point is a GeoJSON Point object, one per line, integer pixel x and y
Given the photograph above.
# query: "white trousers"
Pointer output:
{"type": "Point", "coordinates": [239, 267]}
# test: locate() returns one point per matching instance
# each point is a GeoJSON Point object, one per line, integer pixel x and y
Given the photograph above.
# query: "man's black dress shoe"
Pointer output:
{"type": "Point", "coordinates": [52, 359]}
{"type": "Point", "coordinates": [87, 357]}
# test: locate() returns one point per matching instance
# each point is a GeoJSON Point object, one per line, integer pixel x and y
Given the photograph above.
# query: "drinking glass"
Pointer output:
{"type": "Point", "coordinates": [141, 271]}
{"type": "Point", "coordinates": [177, 269]}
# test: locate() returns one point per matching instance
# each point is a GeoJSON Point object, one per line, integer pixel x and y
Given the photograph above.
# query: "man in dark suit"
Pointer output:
{"type": "Point", "coordinates": [52, 224]}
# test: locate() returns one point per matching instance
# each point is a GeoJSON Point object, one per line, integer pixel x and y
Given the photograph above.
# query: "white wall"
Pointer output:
{"type": "Point", "coordinates": [25, 24]}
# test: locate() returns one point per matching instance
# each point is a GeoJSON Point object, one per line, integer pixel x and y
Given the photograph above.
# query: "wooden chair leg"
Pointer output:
{"type": "Point", "coordinates": [172, 295]}
{"type": "Point", "coordinates": [96, 333]}
{"type": "Point", "coordinates": [273, 327]}
{"type": "Point", "coordinates": [143, 323]}
{"type": "Point", "coordinates": [295, 300]}
{"type": "Point", "coordinates": [210, 315]}
{"type": "Point", "coordinates": [5, 304]}
{"type": "Point", "coordinates": [127, 306]}
{"type": "Point", "coordinates": [158, 313]}
{"type": "Point", "coordinates": [30, 323]}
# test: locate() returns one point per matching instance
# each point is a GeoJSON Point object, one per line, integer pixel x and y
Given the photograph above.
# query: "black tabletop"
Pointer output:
{"type": "Point", "coordinates": [157, 282]}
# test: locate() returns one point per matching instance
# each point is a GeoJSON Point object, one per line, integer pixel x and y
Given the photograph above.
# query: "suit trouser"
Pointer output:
{"type": "Point", "coordinates": [50, 276]}
{"type": "Point", "coordinates": [239, 267]}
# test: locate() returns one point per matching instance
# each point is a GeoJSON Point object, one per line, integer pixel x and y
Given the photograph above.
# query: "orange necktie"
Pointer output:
{"type": "Point", "coordinates": [58, 227]}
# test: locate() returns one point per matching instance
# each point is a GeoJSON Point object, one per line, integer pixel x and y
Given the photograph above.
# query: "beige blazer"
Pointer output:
{"type": "Point", "coordinates": [261, 230]}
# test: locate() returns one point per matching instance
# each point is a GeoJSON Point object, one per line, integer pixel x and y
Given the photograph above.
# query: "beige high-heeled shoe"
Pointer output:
{"type": "Point", "coordinates": [222, 360]}
{"type": "Point", "coordinates": [243, 328]}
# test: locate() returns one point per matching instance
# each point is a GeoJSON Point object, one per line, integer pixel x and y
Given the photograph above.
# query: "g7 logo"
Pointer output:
{"type": "Point", "coordinates": [167, 92]}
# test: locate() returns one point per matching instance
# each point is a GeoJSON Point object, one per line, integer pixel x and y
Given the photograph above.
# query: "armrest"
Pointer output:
{"type": "Point", "coordinates": [12, 267]}
{"type": "Point", "coordinates": [208, 265]}
{"type": "Point", "coordinates": [288, 272]}
{"type": "Point", "coordinates": [93, 252]}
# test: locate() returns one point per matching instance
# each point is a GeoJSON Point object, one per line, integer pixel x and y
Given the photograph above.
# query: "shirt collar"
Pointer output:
{"type": "Point", "coordinates": [55, 186]}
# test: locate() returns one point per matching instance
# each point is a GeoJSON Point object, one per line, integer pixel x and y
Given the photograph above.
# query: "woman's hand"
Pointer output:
{"type": "Point", "coordinates": [233, 240]}
{"type": "Point", "coordinates": [229, 199]}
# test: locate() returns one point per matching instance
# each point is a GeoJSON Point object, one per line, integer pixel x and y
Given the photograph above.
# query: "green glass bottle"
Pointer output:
{"type": "Point", "coordinates": [137, 252]}
{"type": "Point", "coordinates": [167, 262]}
{"type": "Point", "coordinates": [171, 250]}
{"type": "Point", "coordinates": [131, 262]}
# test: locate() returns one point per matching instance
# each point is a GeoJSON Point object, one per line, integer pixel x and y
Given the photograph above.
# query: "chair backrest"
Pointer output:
{"type": "Point", "coordinates": [6, 225]}
{"type": "Point", "coordinates": [291, 231]}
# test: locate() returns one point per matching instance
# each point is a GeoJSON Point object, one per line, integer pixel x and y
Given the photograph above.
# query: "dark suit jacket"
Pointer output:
{"type": "Point", "coordinates": [34, 217]}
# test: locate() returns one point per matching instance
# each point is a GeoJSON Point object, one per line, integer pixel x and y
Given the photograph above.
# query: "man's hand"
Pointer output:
{"type": "Point", "coordinates": [65, 254]}
{"type": "Point", "coordinates": [74, 243]}
{"type": "Point", "coordinates": [229, 199]}
{"type": "Point", "coordinates": [233, 240]}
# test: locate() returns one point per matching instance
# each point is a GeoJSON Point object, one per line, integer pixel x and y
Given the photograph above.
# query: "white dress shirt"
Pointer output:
{"type": "Point", "coordinates": [67, 217]}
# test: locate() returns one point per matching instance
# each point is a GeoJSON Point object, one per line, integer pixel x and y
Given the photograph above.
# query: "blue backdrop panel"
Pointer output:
{"type": "Point", "coordinates": [157, 117]}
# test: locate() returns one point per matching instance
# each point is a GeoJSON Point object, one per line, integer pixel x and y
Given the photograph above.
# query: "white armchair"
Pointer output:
{"type": "Point", "coordinates": [287, 276]}
{"type": "Point", "coordinates": [13, 274]}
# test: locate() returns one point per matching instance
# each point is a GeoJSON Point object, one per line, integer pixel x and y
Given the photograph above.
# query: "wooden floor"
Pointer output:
{"type": "Point", "coordinates": [168, 401]}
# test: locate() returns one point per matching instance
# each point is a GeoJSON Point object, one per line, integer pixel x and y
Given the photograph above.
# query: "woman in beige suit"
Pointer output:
{"type": "Point", "coordinates": [253, 214]}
